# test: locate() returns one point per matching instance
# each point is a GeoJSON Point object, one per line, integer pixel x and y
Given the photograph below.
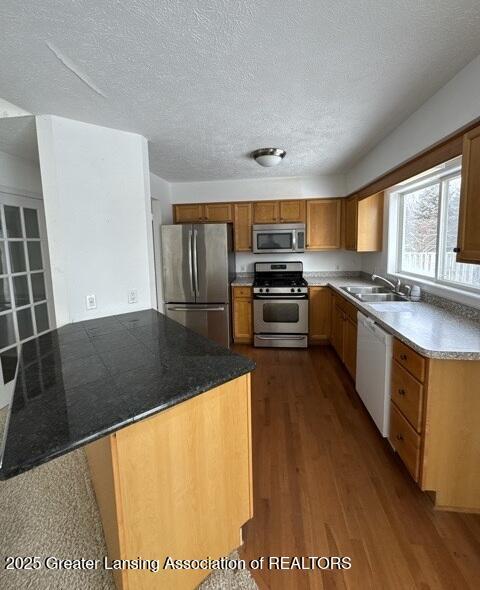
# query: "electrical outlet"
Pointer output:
{"type": "Point", "coordinates": [91, 301]}
{"type": "Point", "coordinates": [133, 296]}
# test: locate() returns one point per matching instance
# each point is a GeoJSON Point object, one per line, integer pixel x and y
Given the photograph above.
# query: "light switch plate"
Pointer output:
{"type": "Point", "coordinates": [133, 296]}
{"type": "Point", "coordinates": [91, 301]}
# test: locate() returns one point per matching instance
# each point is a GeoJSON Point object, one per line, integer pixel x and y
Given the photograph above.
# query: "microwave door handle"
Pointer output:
{"type": "Point", "coordinates": [294, 240]}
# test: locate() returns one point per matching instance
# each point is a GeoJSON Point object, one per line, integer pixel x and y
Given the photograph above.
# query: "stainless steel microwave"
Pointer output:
{"type": "Point", "coordinates": [278, 237]}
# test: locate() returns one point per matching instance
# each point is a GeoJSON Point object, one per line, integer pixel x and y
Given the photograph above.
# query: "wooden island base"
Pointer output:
{"type": "Point", "coordinates": [177, 484]}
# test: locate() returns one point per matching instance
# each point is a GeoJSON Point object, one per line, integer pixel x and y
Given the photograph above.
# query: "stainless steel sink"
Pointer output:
{"type": "Point", "coordinates": [366, 290]}
{"type": "Point", "coordinates": [374, 297]}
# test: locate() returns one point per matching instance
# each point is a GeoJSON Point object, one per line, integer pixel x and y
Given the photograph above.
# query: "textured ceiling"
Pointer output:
{"type": "Point", "coordinates": [207, 81]}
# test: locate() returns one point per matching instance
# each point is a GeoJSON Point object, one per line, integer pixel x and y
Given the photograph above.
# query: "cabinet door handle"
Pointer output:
{"type": "Point", "coordinates": [401, 391]}
{"type": "Point", "coordinates": [403, 357]}
{"type": "Point", "coordinates": [399, 437]}
{"type": "Point", "coordinates": [457, 249]}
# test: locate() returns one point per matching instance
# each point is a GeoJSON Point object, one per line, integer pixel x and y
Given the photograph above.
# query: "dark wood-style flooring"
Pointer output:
{"type": "Point", "coordinates": [326, 483]}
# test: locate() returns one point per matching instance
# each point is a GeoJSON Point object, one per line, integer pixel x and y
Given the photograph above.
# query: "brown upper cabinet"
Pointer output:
{"type": "Point", "coordinates": [189, 213]}
{"type": "Point", "coordinates": [468, 246]}
{"type": "Point", "coordinates": [242, 225]}
{"type": "Point", "coordinates": [265, 212]}
{"type": "Point", "coordinates": [363, 223]}
{"type": "Point", "coordinates": [288, 211]}
{"type": "Point", "coordinates": [324, 219]}
{"type": "Point", "coordinates": [219, 212]}
{"type": "Point", "coordinates": [292, 211]}
{"type": "Point", "coordinates": [203, 212]}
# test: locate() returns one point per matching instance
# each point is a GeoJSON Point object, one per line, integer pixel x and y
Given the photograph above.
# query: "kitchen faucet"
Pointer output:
{"type": "Point", "coordinates": [395, 287]}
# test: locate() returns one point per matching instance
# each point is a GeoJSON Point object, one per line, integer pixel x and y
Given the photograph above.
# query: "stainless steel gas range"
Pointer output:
{"type": "Point", "coordinates": [280, 305]}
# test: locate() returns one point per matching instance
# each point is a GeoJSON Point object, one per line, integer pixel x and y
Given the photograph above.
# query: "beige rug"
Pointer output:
{"type": "Point", "coordinates": [51, 510]}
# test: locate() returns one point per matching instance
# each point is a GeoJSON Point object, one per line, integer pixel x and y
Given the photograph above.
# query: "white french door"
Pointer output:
{"type": "Point", "coordinates": [26, 300]}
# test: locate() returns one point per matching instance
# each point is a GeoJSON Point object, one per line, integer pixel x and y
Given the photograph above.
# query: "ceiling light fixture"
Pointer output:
{"type": "Point", "coordinates": [268, 156]}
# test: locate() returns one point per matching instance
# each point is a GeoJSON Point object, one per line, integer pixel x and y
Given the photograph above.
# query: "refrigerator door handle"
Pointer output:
{"type": "Point", "coordinates": [190, 270]}
{"type": "Point", "coordinates": [195, 262]}
{"type": "Point", "coordinates": [196, 308]}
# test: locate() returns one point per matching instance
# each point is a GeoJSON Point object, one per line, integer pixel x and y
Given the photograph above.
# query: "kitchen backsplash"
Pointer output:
{"type": "Point", "coordinates": [312, 261]}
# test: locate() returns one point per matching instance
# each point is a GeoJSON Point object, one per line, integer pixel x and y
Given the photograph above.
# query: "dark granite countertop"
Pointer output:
{"type": "Point", "coordinates": [89, 379]}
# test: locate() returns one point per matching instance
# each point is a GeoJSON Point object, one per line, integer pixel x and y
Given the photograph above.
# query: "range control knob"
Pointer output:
{"type": "Point", "coordinates": [292, 290]}
{"type": "Point", "coordinates": [299, 290]}
{"type": "Point", "coordinates": [267, 290]}
{"type": "Point", "coordinates": [261, 290]}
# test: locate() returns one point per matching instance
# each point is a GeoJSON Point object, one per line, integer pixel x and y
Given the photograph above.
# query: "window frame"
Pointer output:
{"type": "Point", "coordinates": [441, 177]}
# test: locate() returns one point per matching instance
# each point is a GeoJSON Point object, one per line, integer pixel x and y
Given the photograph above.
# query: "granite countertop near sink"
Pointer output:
{"type": "Point", "coordinates": [323, 278]}
{"type": "Point", "coordinates": [89, 379]}
{"type": "Point", "coordinates": [432, 330]}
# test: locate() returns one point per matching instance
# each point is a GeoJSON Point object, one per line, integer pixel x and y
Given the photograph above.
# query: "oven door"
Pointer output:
{"type": "Point", "coordinates": [280, 316]}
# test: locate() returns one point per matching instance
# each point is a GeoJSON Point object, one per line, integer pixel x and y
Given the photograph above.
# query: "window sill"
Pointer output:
{"type": "Point", "coordinates": [448, 292]}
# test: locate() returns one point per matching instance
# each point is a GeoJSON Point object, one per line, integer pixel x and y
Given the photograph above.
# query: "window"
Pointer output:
{"type": "Point", "coordinates": [427, 229]}
{"type": "Point", "coordinates": [25, 288]}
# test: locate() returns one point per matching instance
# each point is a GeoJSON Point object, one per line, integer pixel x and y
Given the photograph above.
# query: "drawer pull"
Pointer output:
{"type": "Point", "coordinates": [401, 391]}
{"type": "Point", "coordinates": [403, 357]}
{"type": "Point", "coordinates": [399, 437]}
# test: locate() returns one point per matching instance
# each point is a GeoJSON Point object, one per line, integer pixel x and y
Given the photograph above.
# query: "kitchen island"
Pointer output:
{"type": "Point", "coordinates": [164, 415]}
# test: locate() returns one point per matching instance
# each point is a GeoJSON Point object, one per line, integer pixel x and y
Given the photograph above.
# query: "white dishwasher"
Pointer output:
{"type": "Point", "coordinates": [374, 363]}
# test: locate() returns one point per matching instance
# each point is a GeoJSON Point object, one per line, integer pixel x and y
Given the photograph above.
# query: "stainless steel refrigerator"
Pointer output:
{"type": "Point", "coordinates": [198, 266]}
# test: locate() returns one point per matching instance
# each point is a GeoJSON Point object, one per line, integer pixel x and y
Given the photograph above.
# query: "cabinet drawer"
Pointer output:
{"type": "Point", "coordinates": [405, 441]}
{"type": "Point", "coordinates": [348, 308]}
{"type": "Point", "coordinates": [407, 393]}
{"type": "Point", "coordinates": [411, 360]}
{"type": "Point", "coordinates": [242, 292]}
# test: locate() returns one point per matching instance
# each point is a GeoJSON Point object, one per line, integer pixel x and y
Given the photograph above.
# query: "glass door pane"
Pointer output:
{"type": "Point", "coordinates": [13, 222]}
{"type": "Point", "coordinates": [31, 223]}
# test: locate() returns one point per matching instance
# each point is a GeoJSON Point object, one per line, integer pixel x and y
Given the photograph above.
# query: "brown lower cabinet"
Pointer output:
{"type": "Point", "coordinates": [242, 315]}
{"type": "Point", "coordinates": [319, 314]}
{"type": "Point", "coordinates": [344, 332]}
{"type": "Point", "coordinates": [434, 425]}
{"type": "Point", "coordinates": [178, 483]}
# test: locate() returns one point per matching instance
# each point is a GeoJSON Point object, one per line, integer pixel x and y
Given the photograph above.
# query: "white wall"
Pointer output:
{"type": "Point", "coordinates": [162, 215]}
{"type": "Point", "coordinates": [258, 188]}
{"type": "Point", "coordinates": [161, 191]}
{"type": "Point", "coordinates": [452, 107]}
{"type": "Point", "coordinates": [19, 175]}
{"type": "Point", "coordinates": [96, 187]}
